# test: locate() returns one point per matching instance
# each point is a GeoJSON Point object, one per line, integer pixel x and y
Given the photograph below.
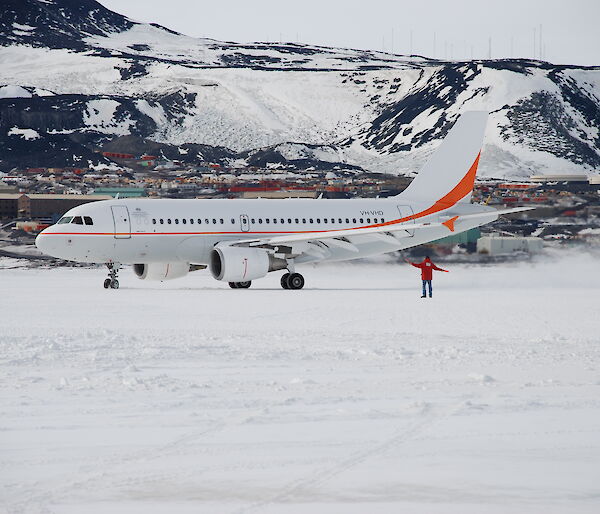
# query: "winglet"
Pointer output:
{"type": "Point", "coordinates": [450, 223]}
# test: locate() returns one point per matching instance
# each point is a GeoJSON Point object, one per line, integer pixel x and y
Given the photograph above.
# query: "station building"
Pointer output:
{"type": "Point", "coordinates": [9, 206]}
{"type": "Point", "coordinates": [498, 245]}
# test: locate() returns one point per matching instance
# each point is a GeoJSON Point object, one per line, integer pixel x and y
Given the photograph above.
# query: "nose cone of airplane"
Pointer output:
{"type": "Point", "coordinates": [43, 243]}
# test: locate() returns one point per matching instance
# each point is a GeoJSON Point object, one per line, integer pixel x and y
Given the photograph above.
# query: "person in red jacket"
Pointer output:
{"type": "Point", "coordinates": [427, 268]}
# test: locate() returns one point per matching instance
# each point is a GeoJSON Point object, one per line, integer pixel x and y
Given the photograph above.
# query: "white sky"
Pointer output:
{"type": "Point", "coordinates": [570, 28]}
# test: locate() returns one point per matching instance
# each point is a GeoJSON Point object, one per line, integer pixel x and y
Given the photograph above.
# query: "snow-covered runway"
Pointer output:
{"type": "Point", "coordinates": [352, 395]}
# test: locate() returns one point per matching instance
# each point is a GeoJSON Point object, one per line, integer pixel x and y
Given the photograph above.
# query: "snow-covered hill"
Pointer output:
{"type": "Point", "coordinates": [79, 75]}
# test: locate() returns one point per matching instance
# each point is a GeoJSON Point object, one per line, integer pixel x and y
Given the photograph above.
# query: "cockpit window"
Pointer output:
{"type": "Point", "coordinates": [88, 220]}
{"type": "Point", "coordinates": [65, 219]}
{"type": "Point", "coordinates": [77, 220]}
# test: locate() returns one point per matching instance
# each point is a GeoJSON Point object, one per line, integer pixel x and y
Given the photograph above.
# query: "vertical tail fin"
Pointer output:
{"type": "Point", "coordinates": [449, 174]}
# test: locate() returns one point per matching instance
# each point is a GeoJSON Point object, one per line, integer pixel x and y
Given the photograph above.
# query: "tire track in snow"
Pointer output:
{"type": "Point", "coordinates": [430, 418]}
{"type": "Point", "coordinates": [109, 468]}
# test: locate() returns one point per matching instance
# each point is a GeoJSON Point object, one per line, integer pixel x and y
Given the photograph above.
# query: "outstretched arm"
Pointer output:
{"type": "Point", "coordinates": [439, 269]}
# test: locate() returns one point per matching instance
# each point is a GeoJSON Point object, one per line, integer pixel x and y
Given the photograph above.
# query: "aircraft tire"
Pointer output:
{"type": "Point", "coordinates": [284, 281]}
{"type": "Point", "coordinates": [233, 285]}
{"type": "Point", "coordinates": [107, 283]}
{"type": "Point", "coordinates": [244, 285]}
{"type": "Point", "coordinates": [295, 281]}
{"type": "Point", "coordinates": [114, 284]}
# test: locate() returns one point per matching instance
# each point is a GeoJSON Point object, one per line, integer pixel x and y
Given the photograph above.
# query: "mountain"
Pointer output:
{"type": "Point", "coordinates": [74, 76]}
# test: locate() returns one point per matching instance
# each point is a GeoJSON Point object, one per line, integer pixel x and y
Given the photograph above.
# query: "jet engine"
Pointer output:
{"type": "Point", "coordinates": [242, 264]}
{"type": "Point", "coordinates": [161, 270]}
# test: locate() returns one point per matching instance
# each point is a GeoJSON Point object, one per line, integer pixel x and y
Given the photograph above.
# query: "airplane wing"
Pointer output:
{"type": "Point", "coordinates": [385, 232]}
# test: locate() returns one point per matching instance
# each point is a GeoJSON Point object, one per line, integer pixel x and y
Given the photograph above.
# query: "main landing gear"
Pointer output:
{"type": "Point", "coordinates": [240, 285]}
{"type": "Point", "coordinates": [292, 281]}
{"type": "Point", "coordinates": [113, 271]}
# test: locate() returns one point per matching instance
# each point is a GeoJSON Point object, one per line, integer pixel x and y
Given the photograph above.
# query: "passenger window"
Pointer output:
{"type": "Point", "coordinates": [267, 220]}
{"type": "Point", "coordinates": [289, 221]}
{"type": "Point", "coordinates": [206, 221]}
{"type": "Point", "coordinates": [296, 220]}
{"type": "Point", "coordinates": [282, 220]}
{"type": "Point", "coordinates": [368, 220]}
{"type": "Point", "coordinates": [310, 220]}
{"type": "Point", "coordinates": [191, 221]}
{"type": "Point", "coordinates": [382, 220]}
{"type": "Point", "coordinates": [347, 220]}
{"type": "Point", "coordinates": [260, 220]}
{"type": "Point", "coordinates": [89, 221]}
{"type": "Point", "coordinates": [252, 220]}
{"type": "Point", "coordinates": [275, 220]}
{"type": "Point", "coordinates": [161, 221]}
{"type": "Point", "coordinates": [232, 221]}
{"type": "Point", "coordinates": [214, 221]}
{"type": "Point", "coordinates": [303, 220]}
{"type": "Point", "coordinates": [168, 221]}
{"type": "Point", "coordinates": [176, 221]}
{"type": "Point", "coordinates": [361, 220]}
{"type": "Point", "coordinates": [184, 221]}
{"type": "Point", "coordinates": [77, 220]}
{"type": "Point", "coordinates": [221, 221]}
{"type": "Point", "coordinates": [353, 220]}
{"type": "Point", "coordinates": [339, 220]}
{"type": "Point", "coordinates": [318, 220]}
{"type": "Point", "coordinates": [153, 221]}
{"type": "Point", "coordinates": [199, 221]}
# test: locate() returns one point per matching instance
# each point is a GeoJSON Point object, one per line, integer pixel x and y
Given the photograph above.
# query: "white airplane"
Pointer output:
{"type": "Point", "coordinates": [243, 240]}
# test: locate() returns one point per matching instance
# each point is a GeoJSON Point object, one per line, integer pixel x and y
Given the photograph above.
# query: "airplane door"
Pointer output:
{"type": "Point", "coordinates": [405, 212]}
{"type": "Point", "coordinates": [244, 223]}
{"type": "Point", "coordinates": [121, 221]}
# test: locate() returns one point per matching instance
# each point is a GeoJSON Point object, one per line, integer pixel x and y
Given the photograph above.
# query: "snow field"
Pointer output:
{"type": "Point", "coordinates": [351, 395]}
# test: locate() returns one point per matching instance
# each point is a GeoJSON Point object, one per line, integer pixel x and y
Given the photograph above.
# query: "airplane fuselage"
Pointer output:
{"type": "Point", "coordinates": [133, 231]}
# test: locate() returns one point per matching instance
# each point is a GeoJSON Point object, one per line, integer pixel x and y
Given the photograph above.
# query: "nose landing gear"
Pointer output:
{"type": "Point", "coordinates": [113, 271]}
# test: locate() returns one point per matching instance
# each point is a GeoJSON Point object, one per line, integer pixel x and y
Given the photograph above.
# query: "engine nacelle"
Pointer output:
{"type": "Point", "coordinates": [242, 264]}
{"type": "Point", "coordinates": [161, 270]}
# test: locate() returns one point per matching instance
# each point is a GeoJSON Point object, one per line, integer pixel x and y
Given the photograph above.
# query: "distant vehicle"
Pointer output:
{"type": "Point", "coordinates": [243, 240]}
